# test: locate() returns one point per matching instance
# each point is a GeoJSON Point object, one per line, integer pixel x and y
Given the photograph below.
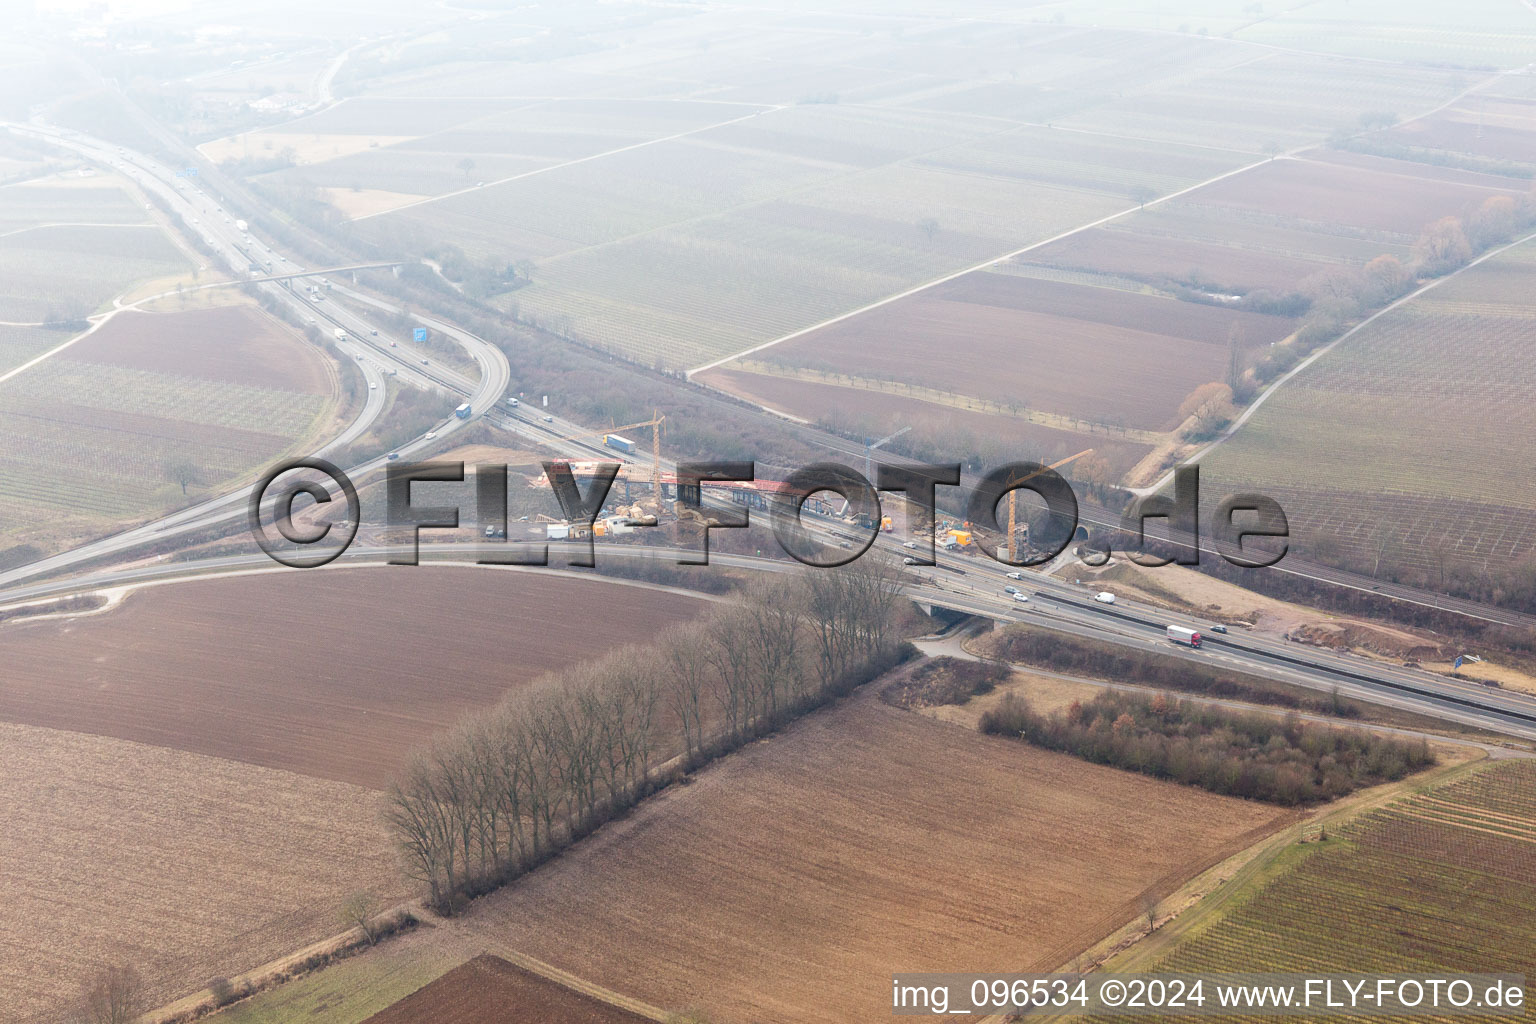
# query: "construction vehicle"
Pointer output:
{"type": "Point", "coordinates": [959, 538]}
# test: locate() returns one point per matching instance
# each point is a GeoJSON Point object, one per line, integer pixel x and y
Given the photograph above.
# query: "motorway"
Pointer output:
{"type": "Point", "coordinates": [376, 357]}
{"type": "Point", "coordinates": [977, 589]}
{"type": "Point", "coordinates": [495, 380]}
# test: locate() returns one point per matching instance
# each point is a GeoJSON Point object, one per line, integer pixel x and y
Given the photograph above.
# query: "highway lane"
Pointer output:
{"type": "Point", "coordinates": [1292, 565]}
{"type": "Point", "coordinates": [1060, 605]}
{"type": "Point", "coordinates": [373, 354]}
{"type": "Point", "coordinates": [1053, 605]}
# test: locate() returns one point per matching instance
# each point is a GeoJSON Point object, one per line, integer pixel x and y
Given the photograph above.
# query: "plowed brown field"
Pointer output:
{"type": "Point", "coordinates": [488, 990]}
{"type": "Point", "coordinates": [789, 880]}
{"type": "Point", "coordinates": [233, 344]}
{"type": "Point", "coordinates": [878, 413]}
{"type": "Point", "coordinates": [181, 866]}
{"type": "Point", "coordinates": [334, 673]}
{"type": "Point", "coordinates": [1094, 353]}
{"type": "Point", "coordinates": [1368, 193]}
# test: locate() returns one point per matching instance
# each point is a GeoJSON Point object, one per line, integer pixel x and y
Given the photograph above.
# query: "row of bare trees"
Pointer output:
{"type": "Point", "coordinates": [503, 791]}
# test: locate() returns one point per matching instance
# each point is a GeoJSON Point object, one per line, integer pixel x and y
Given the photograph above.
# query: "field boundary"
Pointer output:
{"type": "Point", "coordinates": [765, 108]}
{"type": "Point", "coordinates": [574, 983]}
{"type": "Point", "coordinates": [1308, 147]}
{"type": "Point", "coordinates": [948, 399]}
{"type": "Point", "coordinates": [1315, 356]}
{"type": "Point", "coordinates": [1208, 910]}
{"type": "Point", "coordinates": [994, 261]}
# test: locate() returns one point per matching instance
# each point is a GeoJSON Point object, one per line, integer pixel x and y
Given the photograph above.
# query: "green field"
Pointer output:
{"type": "Point", "coordinates": [91, 443]}
{"type": "Point", "coordinates": [96, 440]}
{"type": "Point", "coordinates": [688, 250]}
{"type": "Point", "coordinates": [29, 205]}
{"type": "Point", "coordinates": [352, 990]}
{"type": "Point", "coordinates": [1479, 33]}
{"type": "Point", "coordinates": [19, 344]}
{"type": "Point", "coordinates": [65, 272]}
{"type": "Point", "coordinates": [699, 200]}
{"type": "Point", "coordinates": [1410, 437]}
{"type": "Point", "coordinates": [1442, 881]}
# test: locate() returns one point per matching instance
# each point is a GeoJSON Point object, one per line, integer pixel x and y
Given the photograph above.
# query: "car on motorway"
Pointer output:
{"type": "Point", "coordinates": [375, 333]}
{"type": "Point", "coordinates": [1104, 597]}
{"type": "Point", "coordinates": [549, 419]}
{"type": "Point", "coordinates": [909, 560]}
{"type": "Point", "coordinates": [1218, 628]}
{"type": "Point", "coordinates": [1015, 575]}
{"type": "Point", "coordinates": [311, 319]}
{"type": "Point", "coordinates": [372, 386]}
{"type": "Point", "coordinates": [423, 362]}
{"type": "Point", "coordinates": [1020, 596]}
{"type": "Point", "coordinates": [431, 435]}
{"type": "Point", "coordinates": [391, 457]}
{"type": "Point", "coordinates": [909, 544]}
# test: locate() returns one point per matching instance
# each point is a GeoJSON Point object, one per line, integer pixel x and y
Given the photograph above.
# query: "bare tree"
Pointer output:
{"type": "Point", "coordinates": [184, 472]}
{"type": "Point", "coordinates": [929, 227]}
{"type": "Point", "coordinates": [1235, 357]}
{"type": "Point", "coordinates": [466, 165]}
{"type": "Point", "coordinates": [683, 650]}
{"type": "Point", "coordinates": [115, 996]}
{"type": "Point", "coordinates": [358, 911]}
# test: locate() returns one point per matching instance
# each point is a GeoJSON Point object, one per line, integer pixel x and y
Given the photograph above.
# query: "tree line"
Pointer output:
{"type": "Point", "coordinates": [503, 791]}
{"type": "Point", "coordinates": [1253, 755]}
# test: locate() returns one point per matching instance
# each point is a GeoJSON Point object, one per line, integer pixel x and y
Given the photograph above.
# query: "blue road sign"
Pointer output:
{"type": "Point", "coordinates": [420, 334]}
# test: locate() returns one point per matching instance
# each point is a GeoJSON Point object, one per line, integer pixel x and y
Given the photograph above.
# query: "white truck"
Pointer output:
{"type": "Point", "coordinates": [340, 334]}
{"type": "Point", "coordinates": [1187, 637]}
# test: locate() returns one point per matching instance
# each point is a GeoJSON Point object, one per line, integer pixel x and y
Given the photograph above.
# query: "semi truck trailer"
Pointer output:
{"type": "Point", "coordinates": [1180, 635]}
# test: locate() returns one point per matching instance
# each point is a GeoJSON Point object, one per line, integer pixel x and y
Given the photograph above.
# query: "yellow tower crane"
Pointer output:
{"type": "Point", "coordinates": [655, 422]}
{"type": "Point", "coordinates": [1013, 500]}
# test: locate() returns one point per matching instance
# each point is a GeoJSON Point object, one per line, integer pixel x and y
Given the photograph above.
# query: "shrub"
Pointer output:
{"type": "Point", "coordinates": [1253, 755]}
